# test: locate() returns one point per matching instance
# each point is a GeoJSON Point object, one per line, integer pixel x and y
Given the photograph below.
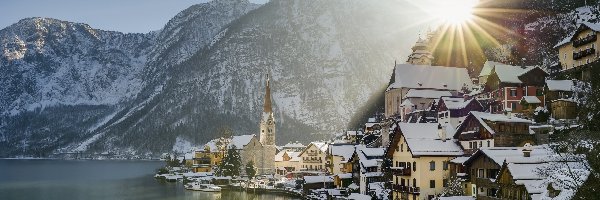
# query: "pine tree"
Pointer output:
{"type": "Point", "coordinates": [230, 166]}
{"type": "Point", "coordinates": [250, 171]}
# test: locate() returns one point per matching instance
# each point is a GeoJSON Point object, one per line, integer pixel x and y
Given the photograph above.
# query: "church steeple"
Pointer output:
{"type": "Point", "coordinates": [267, 106]}
{"type": "Point", "coordinates": [267, 121]}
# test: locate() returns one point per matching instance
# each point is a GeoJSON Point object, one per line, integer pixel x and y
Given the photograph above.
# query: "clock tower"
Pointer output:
{"type": "Point", "coordinates": [267, 121]}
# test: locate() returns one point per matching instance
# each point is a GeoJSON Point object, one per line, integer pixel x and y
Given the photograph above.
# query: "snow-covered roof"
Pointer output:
{"type": "Point", "coordinates": [345, 151]}
{"type": "Point", "coordinates": [560, 85]}
{"type": "Point", "coordinates": [294, 145]}
{"type": "Point", "coordinates": [373, 152]}
{"type": "Point", "coordinates": [357, 196]}
{"type": "Point", "coordinates": [531, 99]}
{"type": "Point", "coordinates": [427, 94]}
{"type": "Point", "coordinates": [212, 145]}
{"type": "Point", "coordinates": [423, 139]}
{"type": "Point", "coordinates": [240, 141]}
{"type": "Point", "coordinates": [510, 74]}
{"type": "Point", "coordinates": [321, 146]}
{"type": "Point", "coordinates": [488, 66]}
{"type": "Point", "coordinates": [318, 179]}
{"type": "Point", "coordinates": [294, 156]}
{"type": "Point", "coordinates": [459, 160]}
{"type": "Point", "coordinates": [455, 103]}
{"type": "Point", "coordinates": [515, 154]}
{"type": "Point", "coordinates": [430, 77]}
{"type": "Point", "coordinates": [481, 116]}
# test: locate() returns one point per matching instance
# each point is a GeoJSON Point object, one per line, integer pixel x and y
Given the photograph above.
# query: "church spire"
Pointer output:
{"type": "Point", "coordinates": [267, 106]}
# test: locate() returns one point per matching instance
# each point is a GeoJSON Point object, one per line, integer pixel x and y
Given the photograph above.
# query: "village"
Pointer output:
{"type": "Point", "coordinates": [443, 135]}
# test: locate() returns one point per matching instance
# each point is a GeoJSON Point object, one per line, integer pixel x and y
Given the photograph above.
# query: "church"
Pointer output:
{"type": "Point", "coordinates": [267, 134]}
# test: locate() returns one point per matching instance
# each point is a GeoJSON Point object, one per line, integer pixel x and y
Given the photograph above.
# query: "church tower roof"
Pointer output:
{"type": "Point", "coordinates": [267, 105]}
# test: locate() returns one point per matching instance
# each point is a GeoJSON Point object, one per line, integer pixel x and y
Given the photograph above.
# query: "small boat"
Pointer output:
{"type": "Point", "coordinates": [206, 188]}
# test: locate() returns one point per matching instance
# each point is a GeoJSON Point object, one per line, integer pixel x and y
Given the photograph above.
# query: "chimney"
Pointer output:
{"type": "Point", "coordinates": [527, 150]}
{"type": "Point", "coordinates": [442, 132]}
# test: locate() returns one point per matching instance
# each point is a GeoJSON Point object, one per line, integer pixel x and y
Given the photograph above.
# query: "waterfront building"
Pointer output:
{"type": "Point", "coordinates": [338, 157]}
{"type": "Point", "coordinates": [314, 157]}
{"type": "Point", "coordinates": [267, 134]}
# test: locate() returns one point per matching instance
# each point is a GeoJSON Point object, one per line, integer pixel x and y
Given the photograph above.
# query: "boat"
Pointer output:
{"type": "Point", "coordinates": [206, 188]}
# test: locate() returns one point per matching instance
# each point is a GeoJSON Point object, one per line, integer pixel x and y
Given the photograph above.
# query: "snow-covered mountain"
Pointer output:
{"type": "Point", "coordinates": [106, 91]}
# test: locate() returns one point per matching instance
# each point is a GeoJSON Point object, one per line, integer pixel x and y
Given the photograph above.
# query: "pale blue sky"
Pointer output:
{"type": "Point", "coordinates": [130, 16]}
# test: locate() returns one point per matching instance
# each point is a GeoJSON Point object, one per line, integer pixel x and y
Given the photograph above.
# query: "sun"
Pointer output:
{"type": "Point", "coordinates": [454, 12]}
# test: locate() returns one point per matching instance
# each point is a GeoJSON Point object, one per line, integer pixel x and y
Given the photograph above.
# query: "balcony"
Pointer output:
{"type": "Point", "coordinates": [406, 189]}
{"type": "Point", "coordinates": [585, 40]}
{"type": "Point", "coordinates": [400, 171]}
{"type": "Point", "coordinates": [584, 53]}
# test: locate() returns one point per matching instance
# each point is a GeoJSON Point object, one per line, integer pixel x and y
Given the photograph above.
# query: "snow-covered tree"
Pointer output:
{"type": "Point", "coordinates": [454, 188]}
{"type": "Point", "coordinates": [541, 115]}
{"type": "Point", "coordinates": [230, 166]}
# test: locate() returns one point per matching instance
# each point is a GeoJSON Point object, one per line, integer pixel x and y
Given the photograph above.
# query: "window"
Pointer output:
{"type": "Point", "coordinates": [445, 182]}
{"type": "Point", "coordinates": [402, 147]}
{"type": "Point", "coordinates": [432, 165]}
{"type": "Point", "coordinates": [414, 182]}
{"type": "Point", "coordinates": [480, 145]}
{"type": "Point", "coordinates": [414, 166]}
{"type": "Point", "coordinates": [431, 183]}
{"type": "Point", "coordinates": [481, 173]}
{"type": "Point", "coordinates": [513, 92]}
{"type": "Point", "coordinates": [513, 105]}
{"type": "Point", "coordinates": [470, 145]}
{"type": "Point", "coordinates": [445, 165]}
{"type": "Point", "coordinates": [565, 56]}
{"type": "Point", "coordinates": [488, 143]}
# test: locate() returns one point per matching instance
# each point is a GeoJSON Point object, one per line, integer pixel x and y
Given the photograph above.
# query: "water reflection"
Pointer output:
{"type": "Point", "coordinates": [127, 180]}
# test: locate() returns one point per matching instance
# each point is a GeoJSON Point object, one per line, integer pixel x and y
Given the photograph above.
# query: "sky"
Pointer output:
{"type": "Point", "coordinates": [129, 16]}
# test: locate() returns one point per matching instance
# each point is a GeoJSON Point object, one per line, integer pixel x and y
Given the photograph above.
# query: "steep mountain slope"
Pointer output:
{"type": "Point", "coordinates": [326, 57]}
{"type": "Point", "coordinates": [140, 93]}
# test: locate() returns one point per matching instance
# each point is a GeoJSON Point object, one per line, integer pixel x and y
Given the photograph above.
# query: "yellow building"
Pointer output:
{"type": "Point", "coordinates": [313, 158]}
{"type": "Point", "coordinates": [287, 161]}
{"type": "Point", "coordinates": [207, 158]}
{"type": "Point", "coordinates": [577, 51]}
{"type": "Point", "coordinates": [339, 155]}
{"type": "Point", "coordinates": [420, 155]}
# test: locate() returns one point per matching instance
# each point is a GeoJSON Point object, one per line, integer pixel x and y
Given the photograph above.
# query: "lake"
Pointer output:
{"type": "Point", "coordinates": [91, 179]}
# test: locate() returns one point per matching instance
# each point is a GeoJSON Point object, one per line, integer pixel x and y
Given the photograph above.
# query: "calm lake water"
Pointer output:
{"type": "Point", "coordinates": [88, 179]}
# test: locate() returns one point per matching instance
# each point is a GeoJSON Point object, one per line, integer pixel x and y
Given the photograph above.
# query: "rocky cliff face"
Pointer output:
{"type": "Point", "coordinates": [203, 71]}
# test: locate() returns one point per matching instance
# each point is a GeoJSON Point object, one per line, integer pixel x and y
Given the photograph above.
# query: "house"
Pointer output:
{"type": "Point", "coordinates": [354, 136]}
{"type": "Point", "coordinates": [559, 95]}
{"type": "Point", "coordinates": [339, 155]}
{"type": "Point", "coordinates": [529, 104]}
{"type": "Point", "coordinates": [420, 156]}
{"type": "Point", "coordinates": [531, 176]}
{"type": "Point", "coordinates": [486, 71]}
{"type": "Point", "coordinates": [577, 52]}
{"type": "Point", "coordinates": [366, 166]}
{"type": "Point", "coordinates": [208, 157]}
{"type": "Point", "coordinates": [495, 130]}
{"type": "Point", "coordinates": [287, 161]}
{"type": "Point", "coordinates": [484, 166]}
{"type": "Point", "coordinates": [454, 110]}
{"type": "Point", "coordinates": [314, 157]}
{"type": "Point", "coordinates": [507, 85]}
{"type": "Point", "coordinates": [427, 83]}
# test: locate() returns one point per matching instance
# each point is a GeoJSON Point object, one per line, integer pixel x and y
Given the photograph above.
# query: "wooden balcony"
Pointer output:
{"type": "Point", "coordinates": [398, 171]}
{"type": "Point", "coordinates": [584, 53]}
{"type": "Point", "coordinates": [585, 40]}
{"type": "Point", "coordinates": [406, 189]}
